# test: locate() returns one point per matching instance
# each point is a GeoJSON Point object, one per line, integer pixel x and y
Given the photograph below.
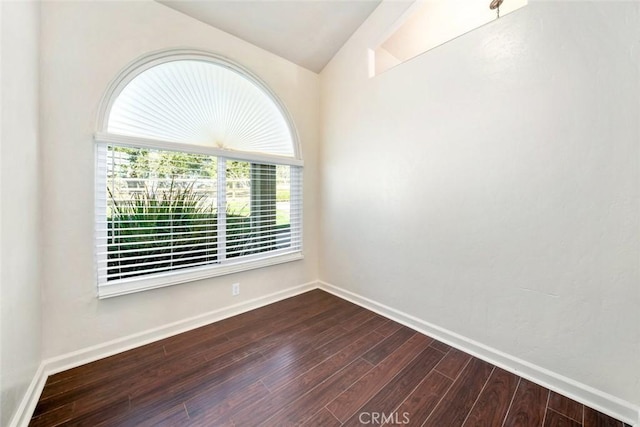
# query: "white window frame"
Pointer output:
{"type": "Point", "coordinates": [103, 138]}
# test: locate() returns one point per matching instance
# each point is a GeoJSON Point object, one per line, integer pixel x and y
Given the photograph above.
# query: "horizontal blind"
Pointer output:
{"type": "Point", "coordinates": [259, 210]}
{"type": "Point", "coordinates": [161, 211]}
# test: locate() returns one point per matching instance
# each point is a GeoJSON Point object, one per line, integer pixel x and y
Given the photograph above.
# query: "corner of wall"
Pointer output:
{"type": "Point", "coordinates": [575, 390]}
{"type": "Point", "coordinates": [24, 411]}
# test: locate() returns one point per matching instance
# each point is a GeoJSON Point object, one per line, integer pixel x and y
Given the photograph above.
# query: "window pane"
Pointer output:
{"type": "Point", "coordinates": [161, 211]}
{"type": "Point", "coordinates": [258, 200]}
{"type": "Point", "coordinates": [283, 196]}
{"type": "Point", "coordinates": [283, 206]}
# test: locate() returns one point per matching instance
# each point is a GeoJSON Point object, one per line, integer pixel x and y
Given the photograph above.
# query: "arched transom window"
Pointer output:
{"type": "Point", "coordinates": [198, 174]}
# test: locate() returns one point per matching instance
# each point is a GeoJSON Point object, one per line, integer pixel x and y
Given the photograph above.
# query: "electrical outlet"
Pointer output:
{"type": "Point", "coordinates": [235, 289]}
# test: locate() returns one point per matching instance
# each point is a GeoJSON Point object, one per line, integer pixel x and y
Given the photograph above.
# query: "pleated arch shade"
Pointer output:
{"type": "Point", "coordinates": [201, 103]}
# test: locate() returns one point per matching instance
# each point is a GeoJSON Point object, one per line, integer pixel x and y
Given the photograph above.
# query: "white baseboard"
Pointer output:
{"type": "Point", "coordinates": [579, 392]}
{"type": "Point", "coordinates": [90, 354]}
{"type": "Point", "coordinates": [30, 399]}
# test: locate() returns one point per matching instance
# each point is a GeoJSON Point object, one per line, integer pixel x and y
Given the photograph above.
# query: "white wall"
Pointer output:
{"type": "Point", "coordinates": [491, 185]}
{"type": "Point", "coordinates": [20, 331]}
{"type": "Point", "coordinates": [84, 45]}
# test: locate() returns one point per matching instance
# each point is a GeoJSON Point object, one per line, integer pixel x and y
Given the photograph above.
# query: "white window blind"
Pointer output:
{"type": "Point", "coordinates": [195, 177]}
{"type": "Point", "coordinates": [201, 103]}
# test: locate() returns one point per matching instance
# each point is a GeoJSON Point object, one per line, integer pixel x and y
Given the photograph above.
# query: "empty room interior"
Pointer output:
{"type": "Point", "coordinates": [320, 213]}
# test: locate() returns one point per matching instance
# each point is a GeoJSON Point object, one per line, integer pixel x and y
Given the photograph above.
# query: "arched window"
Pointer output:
{"type": "Point", "coordinates": [198, 174]}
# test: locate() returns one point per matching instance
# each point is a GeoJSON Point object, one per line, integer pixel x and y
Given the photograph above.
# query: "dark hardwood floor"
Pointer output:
{"type": "Point", "coordinates": [313, 360]}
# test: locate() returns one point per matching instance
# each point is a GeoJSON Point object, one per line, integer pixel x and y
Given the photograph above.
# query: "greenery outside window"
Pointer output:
{"type": "Point", "coordinates": [198, 174]}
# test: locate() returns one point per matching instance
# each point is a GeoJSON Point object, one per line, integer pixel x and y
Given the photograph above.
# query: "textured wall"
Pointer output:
{"type": "Point", "coordinates": [490, 186]}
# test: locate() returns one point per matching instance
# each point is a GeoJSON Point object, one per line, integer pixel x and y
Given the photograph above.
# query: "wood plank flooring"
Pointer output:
{"type": "Point", "coordinates": [312, 360]}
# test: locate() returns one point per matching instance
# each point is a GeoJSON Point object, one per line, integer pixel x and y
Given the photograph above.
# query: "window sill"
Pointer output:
{"type": "Point", "coordinates": [138, 284]}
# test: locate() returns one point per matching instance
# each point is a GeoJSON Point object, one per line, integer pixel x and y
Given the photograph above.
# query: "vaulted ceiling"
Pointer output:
{"type": "Point", "coordinates": [306, 32]}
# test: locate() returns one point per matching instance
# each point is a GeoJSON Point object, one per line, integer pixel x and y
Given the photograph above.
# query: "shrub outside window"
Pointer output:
{"type": "Point", "coordinates": [198, 174]}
